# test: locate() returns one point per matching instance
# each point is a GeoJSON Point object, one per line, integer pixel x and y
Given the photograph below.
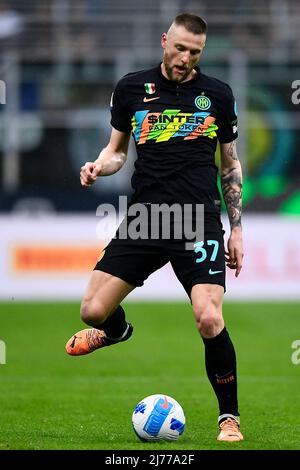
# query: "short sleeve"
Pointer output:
{"type": "Point", "coordinates": [227, 120]}
{"type": "Point", "coordinates": [120, 115]}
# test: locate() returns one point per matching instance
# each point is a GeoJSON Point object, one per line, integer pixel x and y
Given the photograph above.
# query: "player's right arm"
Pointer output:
{"type": "Point", "coordinates": [110, 160]}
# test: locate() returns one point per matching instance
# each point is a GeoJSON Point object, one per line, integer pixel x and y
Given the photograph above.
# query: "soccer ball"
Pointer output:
{"type": "Point", "coordinates": [158, 417]}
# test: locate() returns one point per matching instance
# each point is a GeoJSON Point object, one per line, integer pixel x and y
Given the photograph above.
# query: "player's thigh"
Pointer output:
{"type": "Point", "coordinates": [106, 291]}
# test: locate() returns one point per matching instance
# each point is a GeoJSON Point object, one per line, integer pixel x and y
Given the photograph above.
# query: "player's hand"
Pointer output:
{"type": "Point", "coordinates": [89, 173]}
{"type": "Point", "coordinates": [234, 255]}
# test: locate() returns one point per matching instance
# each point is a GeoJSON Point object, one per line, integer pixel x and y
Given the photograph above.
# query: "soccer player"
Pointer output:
{"type": "Point", "coordinates": [176, 114]}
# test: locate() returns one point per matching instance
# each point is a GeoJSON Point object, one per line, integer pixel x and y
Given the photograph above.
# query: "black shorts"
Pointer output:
{"type": "Point", "coordinates": [135, 260]}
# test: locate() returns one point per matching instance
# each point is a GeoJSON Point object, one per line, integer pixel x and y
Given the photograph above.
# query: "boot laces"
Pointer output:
{"type": "Point", "coordinates": [230, 424]}
{"type": "Point", "coordinates": [95, 338]}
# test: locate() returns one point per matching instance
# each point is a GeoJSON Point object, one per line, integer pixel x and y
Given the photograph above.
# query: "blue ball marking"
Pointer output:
{"type": "Point", "coordinates": [157, 417]}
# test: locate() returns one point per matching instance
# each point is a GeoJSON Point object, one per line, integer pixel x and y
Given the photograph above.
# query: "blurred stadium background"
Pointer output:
{"type": "Point", "coordinates": [59, 62]}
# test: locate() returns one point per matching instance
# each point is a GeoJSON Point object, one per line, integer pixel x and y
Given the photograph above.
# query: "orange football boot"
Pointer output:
{"type": "Point", "coordinates": [90, 339]}
{"type": "Point", "coordinates": [230, 431]}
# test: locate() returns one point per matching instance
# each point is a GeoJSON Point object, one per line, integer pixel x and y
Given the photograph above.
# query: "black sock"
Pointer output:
{"type": "Point", "coordinates": [220, 362]}
{"type": "Point", "coordinates": [115, 325]}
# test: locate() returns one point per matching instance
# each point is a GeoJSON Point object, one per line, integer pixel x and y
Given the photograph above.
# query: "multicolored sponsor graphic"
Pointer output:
{"type": "Point", "coordinates": [163, 126]}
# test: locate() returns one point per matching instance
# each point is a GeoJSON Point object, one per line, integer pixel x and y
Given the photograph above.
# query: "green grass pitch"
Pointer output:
{"type": "Point", "coordinates": [52, 401]}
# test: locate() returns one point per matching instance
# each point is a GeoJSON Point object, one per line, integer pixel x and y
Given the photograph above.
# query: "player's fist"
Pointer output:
{"type": "Point", "coordinates": [89, 173]}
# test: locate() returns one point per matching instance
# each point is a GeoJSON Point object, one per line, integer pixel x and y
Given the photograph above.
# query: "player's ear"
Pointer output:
{"type": "Point", "coordinates": [163, 40]}
{"type": "Point", "coordinates": [204, 42]}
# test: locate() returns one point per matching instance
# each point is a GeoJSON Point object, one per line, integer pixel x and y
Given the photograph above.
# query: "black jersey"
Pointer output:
{"type": "Point", "coordinates": [175, 127]}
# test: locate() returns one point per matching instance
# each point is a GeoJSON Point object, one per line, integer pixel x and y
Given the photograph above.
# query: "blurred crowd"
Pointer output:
{"type": "Point", "coordinates": [60, 60]}
{"type": "Point", "coordinates": [100, 27]}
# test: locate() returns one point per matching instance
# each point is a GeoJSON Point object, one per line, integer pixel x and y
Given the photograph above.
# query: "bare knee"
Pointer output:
{"type": "Point", "coordinates": [209, 319]}
{"type": "Point", "coordinates": [93, 312]}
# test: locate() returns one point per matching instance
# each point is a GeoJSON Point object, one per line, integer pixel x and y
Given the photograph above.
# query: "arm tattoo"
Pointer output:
{"type": "Point", "coordinates": [231, 182]}
{"type": "Point", "coordinates": [231, 151]}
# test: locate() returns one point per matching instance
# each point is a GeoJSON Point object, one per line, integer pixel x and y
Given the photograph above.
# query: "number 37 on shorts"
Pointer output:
{"type": "Point", "coordinates": [212, 253]}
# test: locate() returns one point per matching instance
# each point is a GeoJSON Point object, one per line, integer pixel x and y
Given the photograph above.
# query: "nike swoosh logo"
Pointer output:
{"type": "Point", "coordinates": [74, 339]}
{"type": "Point", "coordinates": [165, 404]}
{"type": "Point", "coordinates": [214, 272]}
{"type": "Point", "coordinates": [150, 99]}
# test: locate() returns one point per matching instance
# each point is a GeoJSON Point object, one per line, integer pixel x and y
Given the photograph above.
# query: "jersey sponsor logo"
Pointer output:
{"type": "Point", "coordinates": [146, 100]}
{"type": "Point", "coordinates": [150, 88]}
{"type": "Point", "coordinates": [202, 102]}
{"type": "Point", "coordinates": [171, 123]}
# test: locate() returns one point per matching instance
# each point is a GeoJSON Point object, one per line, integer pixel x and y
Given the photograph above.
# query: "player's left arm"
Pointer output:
{"type": "Point", "coordinates": [231, 182]}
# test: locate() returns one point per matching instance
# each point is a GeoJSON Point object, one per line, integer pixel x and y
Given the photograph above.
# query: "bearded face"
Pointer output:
{"type": "Point", "coordinates": [182, 51]}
